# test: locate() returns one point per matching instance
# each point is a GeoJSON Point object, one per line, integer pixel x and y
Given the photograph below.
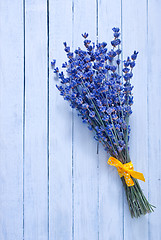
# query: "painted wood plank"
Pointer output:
{"type": "Point", "coordinates": [60, 192]}
{"type": "Point", "coordinates": [11, 120]}
{"type": "Point", "coordinates": [135, 38]}
{"type": "Point", "coordinates": [95, 206]}
{"type": "Point", "coordinates": [111, 189]}
{"type": "Point", "coordinates": [86, 217]}
{"type": "Point", "coordinates": [154, 117]}
{"type": "Point", "coordinates": [35, 162]}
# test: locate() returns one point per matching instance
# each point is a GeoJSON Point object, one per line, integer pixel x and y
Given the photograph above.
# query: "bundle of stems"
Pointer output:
{"type": "Point", "coordinates": [98, 86]}
{"type": "Point", "coordinates": [137, 202]}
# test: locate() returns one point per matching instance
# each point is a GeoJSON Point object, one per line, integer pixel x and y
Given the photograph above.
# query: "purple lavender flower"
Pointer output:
{"type": "Point", "coordinates": [115, 42]}
{"type": "Point", "coordinates": [67, 49]}
{"type": "Point", "coordinates": [85, 35]}
{"type": "Point", "coordinates": [56, 70]}
{"type": "Point", "coordinates": [116, 30]}
{"type": "Point", "coordinates": [53, 63]}
{"type": "Point", "coordinates": [132, 64]}
{"type": "Point", "coordinates": [134, 56]}
{"type": "Point", "coordinates": [95, 88]}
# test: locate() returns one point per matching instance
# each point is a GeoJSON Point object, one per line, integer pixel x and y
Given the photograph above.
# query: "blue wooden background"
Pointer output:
{"type": "Point", "coordinates": [54, 184]}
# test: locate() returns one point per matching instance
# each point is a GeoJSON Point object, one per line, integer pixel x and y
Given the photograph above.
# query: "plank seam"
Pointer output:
{"type": "Point", "coordinates": [73, 212]}
{"type": "Point", "coordinates": [97, 146]}
{"type": "Point", "coordinates": [123, 199]}
{"type": "Point", "coordinates": [48, 207]}
{"type": "Point", "coordinates": [147, 8]}
{"type": "Point", "coordinates": [24, 120]}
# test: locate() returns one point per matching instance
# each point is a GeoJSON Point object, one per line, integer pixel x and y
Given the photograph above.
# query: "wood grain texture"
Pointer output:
{"type": "Point", "coordinates": [69, 191]}
{"type": "Point", "coordinates": [35, 161]}
{"type": "Point", "coordinates": [60, 148]}
{"type": "Point", "coordinates": [111, 189]}
{"type": "Point", "coordinates": [154, 117]}
{"type": "Point", "coordinates": [11, 120]}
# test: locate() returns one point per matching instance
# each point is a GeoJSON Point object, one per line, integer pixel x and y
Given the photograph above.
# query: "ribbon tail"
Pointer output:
{"type": "Point", "coordinates": [129, 181]}
{"type": "Point", "coordinates": [137, 175]}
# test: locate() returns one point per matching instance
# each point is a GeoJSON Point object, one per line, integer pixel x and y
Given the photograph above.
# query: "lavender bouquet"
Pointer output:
{"type": "Point", "coordinates": [98, 86]}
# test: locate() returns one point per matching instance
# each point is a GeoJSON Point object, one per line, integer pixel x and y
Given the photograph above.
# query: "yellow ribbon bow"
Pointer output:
{"type": "Point", "coordinates": [126, 170]}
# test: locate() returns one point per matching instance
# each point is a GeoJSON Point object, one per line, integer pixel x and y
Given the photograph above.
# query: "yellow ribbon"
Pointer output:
{"type": "Point", "coordinates": [126, 170]}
